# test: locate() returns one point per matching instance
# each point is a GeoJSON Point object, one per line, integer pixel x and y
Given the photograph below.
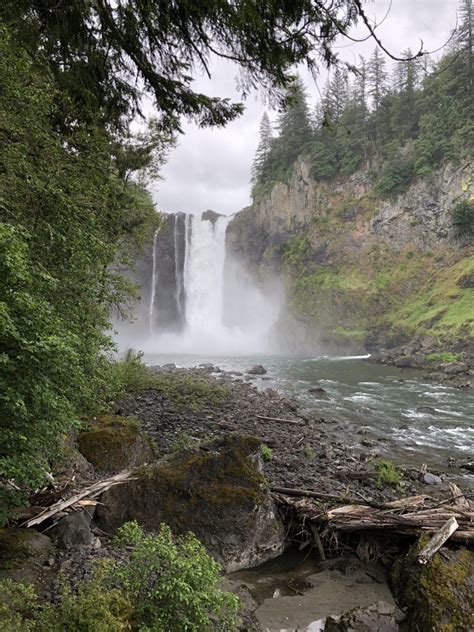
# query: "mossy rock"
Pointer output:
{"type": "Point", "coordinates": [23, 552]}
{"type": "Point", "coordinates": [439, 595]}
{"type": "Point", "coordinates": [113, 443]}
{"type": "Point", "coordinates": [215, 491]}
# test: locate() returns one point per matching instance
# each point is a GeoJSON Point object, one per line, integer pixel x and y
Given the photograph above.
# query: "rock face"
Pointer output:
{"type": "Point", "coordinates": [348, 259]}
{"type": "Point", "coordinates": [217, 492]}
{"type": "Point", "coordinates": [438, 596]}
{"type": "Point", "coordinates": [115, 443]}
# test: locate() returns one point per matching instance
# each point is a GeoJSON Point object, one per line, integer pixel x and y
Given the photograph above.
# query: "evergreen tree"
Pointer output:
{"type": "Point", "coordinates": [464, 40]}
{"type": "Point", "coordinates": [337, 93]}
{"type": "Point", "coordinates": [377, 79]}
{"type": "Point", "coordinates": [260, 162]}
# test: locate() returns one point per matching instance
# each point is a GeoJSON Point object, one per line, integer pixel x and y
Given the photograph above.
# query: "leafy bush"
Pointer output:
{"type": "Point", "coordinates": [445, 356]}
{"type": "Point", "coordinates": [165, 584]}
{"type": "Point", "coordinates": [462, 217]}
{"type": "Point", "coordinates": [266, 452]}
{"type": "Point", "coordinates": [387, 474]}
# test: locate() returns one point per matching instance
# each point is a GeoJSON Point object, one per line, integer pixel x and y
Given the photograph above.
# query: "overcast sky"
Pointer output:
{"type": "Point", "coordinates": [210, 168]}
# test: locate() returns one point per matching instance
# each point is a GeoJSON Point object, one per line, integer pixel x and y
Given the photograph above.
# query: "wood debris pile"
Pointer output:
{"type": "Point", "coordinates": [452, 517]}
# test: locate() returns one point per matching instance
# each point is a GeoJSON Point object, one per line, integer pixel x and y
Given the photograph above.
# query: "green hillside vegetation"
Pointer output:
{"type": "Point", "coordinates": [394, 129]}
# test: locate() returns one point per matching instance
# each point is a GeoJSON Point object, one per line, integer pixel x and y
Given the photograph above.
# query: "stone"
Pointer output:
{"type": "Point", "coordinates": [378, 617]}
{"type": "Point", "coordinates": [426, 410]}
{"type": "Point", "coordinates": [432, 479]}
{"type": "Point", "coordinates": [319, 392]}
{"type": "Point", "coordinates": [456, 367]}
{"type": "Point", "coordinates": [258, 369]}
{"type": "Point", "coordinates": [211, 216]}
{"type": "Point", "coordinates": [74, 530]}
{"type": "Point", "coordinates": [23, 553]}
{"type": "Point", "coordinates": [115, 443]}
{"type": "Point", "coordinates": [216, 491]}
{"type": "Point", "coordinates": [437, 596]}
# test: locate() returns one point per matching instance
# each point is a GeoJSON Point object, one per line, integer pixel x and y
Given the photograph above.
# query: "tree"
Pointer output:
{"type": "Point", "coordinates": [106, 53]}
{"type": "Point", "coordinates": [337, 94]}
{"type": "Point", "coordinates": [464, 39]}
{"type": "Point", "coordinates": [260, 162]}
{"type": "Point", "coordinates": [377, 79]}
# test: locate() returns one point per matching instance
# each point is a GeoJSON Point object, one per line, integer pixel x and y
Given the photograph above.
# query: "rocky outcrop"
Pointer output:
{"type": "Point", "coordinates": [356, 267]}
{"type": "Point", "coordinates": [215, 491]}
{"type": "Point", "coordinates": [438, 596]}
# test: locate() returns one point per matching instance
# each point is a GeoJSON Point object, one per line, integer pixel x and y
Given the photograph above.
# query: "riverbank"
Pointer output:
{"type": "Point", "coordinates": [202, 448]}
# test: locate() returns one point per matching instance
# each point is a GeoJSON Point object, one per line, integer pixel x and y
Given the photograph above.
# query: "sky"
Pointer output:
{"type": "Point", "coordinates": [210, 168]}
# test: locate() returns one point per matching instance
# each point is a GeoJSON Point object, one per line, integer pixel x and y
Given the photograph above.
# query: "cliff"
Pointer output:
{"type": "Point", "coordinates": [360, 272]}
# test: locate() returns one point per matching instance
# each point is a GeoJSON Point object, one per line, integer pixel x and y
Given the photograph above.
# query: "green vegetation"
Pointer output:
{"type": "Point", "coordinates": [387, 474]}
{"type": "Point", "coordinates": [401, 126]}
{"type": "Point", "coordinates": [266, 452]}
{"type": "Point", "coordinates": [444, 357]}
{"type": "Point", "coordinates": [183, 392]}
{"type": "Point", "coordinates": [463, 219]}
{"type": "Point", "coordinates": [164, 584]}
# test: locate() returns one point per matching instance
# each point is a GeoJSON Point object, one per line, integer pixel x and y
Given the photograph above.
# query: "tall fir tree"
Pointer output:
{"type": "Point", "coordinates": [377, 79]}
{"type": "Point", "coordinates": [260, 162]}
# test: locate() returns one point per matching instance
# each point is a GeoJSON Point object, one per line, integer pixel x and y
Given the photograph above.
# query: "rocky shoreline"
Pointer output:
{"type": "Point", "coordinates": [201, 459]}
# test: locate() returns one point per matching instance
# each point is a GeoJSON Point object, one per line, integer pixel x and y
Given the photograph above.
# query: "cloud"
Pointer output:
{"type": "Point", "coordinates": [210, 168]}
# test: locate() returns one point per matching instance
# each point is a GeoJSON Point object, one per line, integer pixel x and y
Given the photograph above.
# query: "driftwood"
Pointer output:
{"type": "Point", "coordinates": [286, 421]}
{"type": "Point", "coordinates": [438, 540]}
{"type": "Point", "coordinates": [79, 498]}
{"type": "Point", "coordinates": [407, 516]}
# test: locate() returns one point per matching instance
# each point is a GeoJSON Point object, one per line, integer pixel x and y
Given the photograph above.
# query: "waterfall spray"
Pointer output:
{"type": "Point", "coordinates": [153, 285]}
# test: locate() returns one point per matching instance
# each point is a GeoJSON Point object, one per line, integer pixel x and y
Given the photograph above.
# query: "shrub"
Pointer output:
{"type": "Point", "coordinates": [173, 582]}
{"type": "Point", "coordinates": [387, 474]}
{"type": "Point", "coordinates": [266, 452]}
{"type": "Point", "coordinates": [165, 584]}
{"type": "Point", "coordinates": [462, 217]}
{"type": "Point", "coordinates": [444, 357]}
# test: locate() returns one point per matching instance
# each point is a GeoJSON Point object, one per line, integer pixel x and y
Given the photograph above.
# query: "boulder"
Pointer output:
{"type": "Point", "coordinates": [216, 491]}
{"type": "Point", "coordinates": [22, 554]}
{"type": "Point", "coordinates": [319, 392]}
{"type": "Point", "coordinates": [378, 617]}
{"type": "Point", "coordinates": [432, 479]}
{"type": "Point", "coordinates": [437, 596]}
{"type": "Point", "coordinates": [258, 369]}
{"type": "Point", "coordinates": [114, 443]}
{"type": "Point", "coordinates": [74, 530]}
{"type": "Point", "coordinates": [426, 410]}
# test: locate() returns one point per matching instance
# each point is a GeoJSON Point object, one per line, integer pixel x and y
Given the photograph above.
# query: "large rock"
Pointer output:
{"type": "Point", "coordinates": [438, 596]}
{"type": "Point", "coordinates": [115, 443]}
{"type": "Point", "coordinates": [74, 530]}
{"type": "Point", "coordinates": [217, 492]}
{"type": "Point", "coordinates": [23, 552]}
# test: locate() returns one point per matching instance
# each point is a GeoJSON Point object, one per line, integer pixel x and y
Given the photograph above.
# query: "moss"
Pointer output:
{"type": "Point", "coordinates": [113, 443]}
{"type": "Point", "coordinates": [226, 476]}
{"type": "Point", "coordinates": [353, 334]}
{"type": "Point", "coordinates": [18, 546]}
{"type": "Point", "coordinates": [438, 595]}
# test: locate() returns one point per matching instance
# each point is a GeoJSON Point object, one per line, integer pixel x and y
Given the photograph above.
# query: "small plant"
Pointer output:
{"type": "Point", "coordinates": [444, 357]}
{"type": "Point", "coordinates": [181, 442]}
{"type": "Point", "coordinates": [387, 474]}
{"type": "Point", "coordinates": [308, 452]}
{"type": "Point", "coordinates": [462, 217]}
{"type": "Point", "coordinates": [266, 452]}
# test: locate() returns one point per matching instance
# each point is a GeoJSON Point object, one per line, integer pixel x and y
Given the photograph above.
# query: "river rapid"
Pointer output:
{"type": "Point", "coordinates": [417, 420]}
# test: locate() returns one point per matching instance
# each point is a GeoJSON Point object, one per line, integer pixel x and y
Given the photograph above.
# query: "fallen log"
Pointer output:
{"type": "Point", "coordinates": [89, 492]}
{"type": "Point", "coordinates": [437, 541]}
{"type": "Point", "coordinates": [290, 491]}
{"type": "Point", "coordinates": [279, 419]}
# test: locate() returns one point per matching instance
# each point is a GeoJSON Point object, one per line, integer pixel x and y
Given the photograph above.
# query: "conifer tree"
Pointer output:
{"type": "Point", "coordinates": [377, 79]}
{"type": "Point", "coordinates": [338, 93]}
{"type": "Point", "coordinates": [262, 154]}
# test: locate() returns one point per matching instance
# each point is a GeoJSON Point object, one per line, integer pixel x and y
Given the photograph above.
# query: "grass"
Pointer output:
{"type": "Point", "coordinates": [444, 357]}
{"type": "Point", "coordinates": [266, 452]}
{"type": "Point", "coordinates": [184, 392]}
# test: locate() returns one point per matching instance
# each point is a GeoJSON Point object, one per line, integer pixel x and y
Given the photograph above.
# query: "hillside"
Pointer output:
{"type": "Point", "coordinates": [361, 272]}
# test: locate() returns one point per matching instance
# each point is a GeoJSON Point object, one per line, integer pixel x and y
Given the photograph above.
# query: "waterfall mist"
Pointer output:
{"type": "Point", "coordinates": [195, 299]}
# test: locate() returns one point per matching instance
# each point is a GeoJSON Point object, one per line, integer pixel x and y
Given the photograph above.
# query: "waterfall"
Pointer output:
{"type": "Point", "coordinates": [195, 298]}
{"type": "Point", "coordinates": [204, 276]}
{"type": "Point", "coordinates": [153, 286]}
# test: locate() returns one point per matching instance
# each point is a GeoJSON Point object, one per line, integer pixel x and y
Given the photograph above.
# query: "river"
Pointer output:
{"type": "Point", "coordinates": [419, 421]}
